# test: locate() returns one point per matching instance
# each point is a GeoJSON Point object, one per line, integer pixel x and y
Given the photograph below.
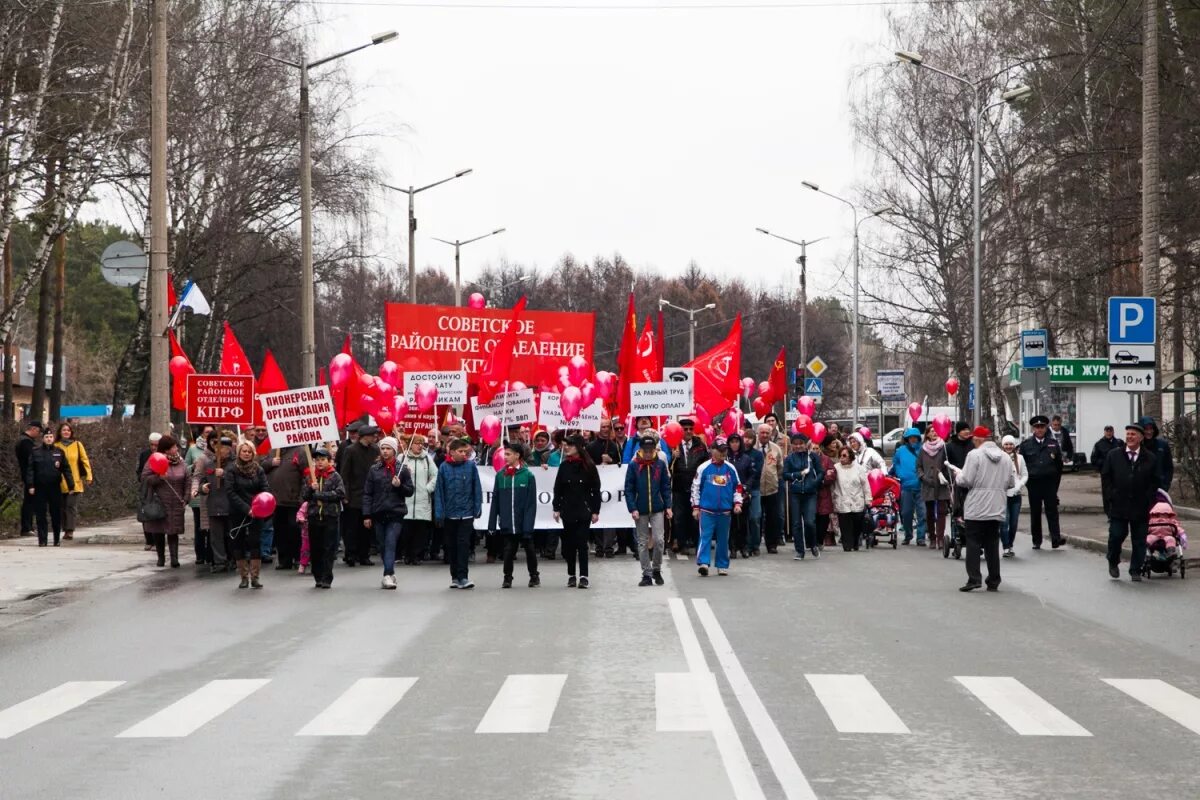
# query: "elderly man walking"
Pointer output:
{"type": "Point", "coordinates": [988, 475]}
{"type": "Point", "coordinates": [1129, 479]}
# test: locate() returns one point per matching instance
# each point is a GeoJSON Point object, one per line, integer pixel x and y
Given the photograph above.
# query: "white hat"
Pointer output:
{"type": "Point", "coordinates": [1009, 440]}
{"type": "Point", "coordinates": [154, 437]}
{"type": "Point", "coordinates": [390, 441]}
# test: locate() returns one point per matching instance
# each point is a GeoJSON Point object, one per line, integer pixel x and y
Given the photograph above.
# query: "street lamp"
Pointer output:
{"type": "Point", "coordinates": [412, 227]}
{"type": "Point", "coordinates": [691, 312]}
{"type": "Point", "coordinates": [1010, 96]}
{"type": "Point", "coordinates": [457, 270]}
{"type": "Point", "coordinates": [308, 336]}
{"type": "Point", "coordinates": [803, 262]}
{"type": "Point", "coordinates": [854, 346]}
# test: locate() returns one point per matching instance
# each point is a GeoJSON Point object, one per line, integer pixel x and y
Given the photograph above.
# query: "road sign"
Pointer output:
{"type": "Point", "coordinates": [1035, 349]}
{"type": "Point", "coordinates": [1078, 370]}
{"type": "Point", "coordinates": [123, 264]}
{"type": "Point", "coordinates": [1131, 379]}
{"type": "Point", "coordinates": [817, 367]}
{"type": "Point", "coordinates": [1131, 355]}
{"type": "Point", "coordinates": [971, 396]}
{"type": "Point", "coordinates": [1132, 320]}
{"type": "Point", "coordinates": [814, 387]}
{"type": "Point", "coordinates": [890, 383]}
{"type": "Point", "coordinates": [220, 399]}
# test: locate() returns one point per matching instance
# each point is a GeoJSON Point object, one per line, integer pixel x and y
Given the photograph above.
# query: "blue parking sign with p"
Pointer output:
{"type": "Point", "coordinates": [1131, 320]}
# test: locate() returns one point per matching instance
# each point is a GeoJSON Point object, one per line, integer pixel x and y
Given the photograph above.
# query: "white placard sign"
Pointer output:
{"type": "Point", "coordinates": [661, 399]}
{"type": "Point", "coordinates": [550, 414]}
{"type": "Point", "coordinates": [613, 513]}
{"type": "Point", "coordinates": [451, 386]}
{"type": "Point", "coordinates": [512, 408]}
{"type": "Point", "coordinates": [299, 416]}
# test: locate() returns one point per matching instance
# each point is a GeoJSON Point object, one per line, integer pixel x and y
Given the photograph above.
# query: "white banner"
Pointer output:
{"type": "Point", "coordinates": [299, 416]}
{"type": "Point", "coordinates": [550, 414]}
{"type": "Point", "coordinates": [451, 386]}
{"type": "Point", "coordinates": [613, 513]}
{"type": "Point", "coordinates": [661, 399]}
{"type": "Point", "coordinates": [512, 408]}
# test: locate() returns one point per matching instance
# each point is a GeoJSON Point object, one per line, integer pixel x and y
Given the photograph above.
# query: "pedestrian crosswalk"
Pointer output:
{"type": "Point", "coordinates": [526, 704]}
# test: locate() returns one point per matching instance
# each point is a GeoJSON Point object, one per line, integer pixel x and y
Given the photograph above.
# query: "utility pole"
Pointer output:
{"type": "Point", "coordinates": [691, 312]}
{"type": "Point", "coordinates": [160, 403]}
{"type": "Point", "coordinates": [60, 301]}
{"type": "Point", "coordinates": [1151, 188]}
{"type": "Point", "coordinates": [803, 262]}
{"type": "Point", "coordinates": [308, 326]}
{"type": "Point", "coordinates": [8, 357]}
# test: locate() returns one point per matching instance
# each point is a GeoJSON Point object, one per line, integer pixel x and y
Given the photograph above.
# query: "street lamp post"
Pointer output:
{"type": "Point", "coordinates": [457, 244]}
{"type": "Point", "coordinates": [691, 312]}
{"type": "Point", "coordinates": [977, 110]}
{"type": "Point", "coordinates": [308, 339]}
{"type": "Point", "coordinates": [412, 192]}
{"type": "Point", "coordinates": [803, 262]}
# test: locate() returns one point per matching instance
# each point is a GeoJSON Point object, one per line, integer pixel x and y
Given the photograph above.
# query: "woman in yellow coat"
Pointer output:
{"type": "Point", "coordinates": [81, 471]}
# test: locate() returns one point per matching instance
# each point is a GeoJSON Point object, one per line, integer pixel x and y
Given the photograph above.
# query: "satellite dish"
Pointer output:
{"type": "Point", "coordinates": [123, 264]}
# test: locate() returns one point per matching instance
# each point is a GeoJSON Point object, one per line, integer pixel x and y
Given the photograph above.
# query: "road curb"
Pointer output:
{"type": "Point", "coordinates": [1098, 546]}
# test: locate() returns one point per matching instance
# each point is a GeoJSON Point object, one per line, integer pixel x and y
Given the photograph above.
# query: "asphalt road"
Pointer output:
{"type": "Point", "coordinates": [863, 675]}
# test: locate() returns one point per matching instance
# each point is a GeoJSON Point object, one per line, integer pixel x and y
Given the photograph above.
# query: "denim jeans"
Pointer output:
{"type": "Point", "coordinates": [716, 526]}
{"type": "Point", "coordinates": [267, 537]}
{"type": "Point", "coordinates": [1008, 528]}
{"type": "Point", "coordinates": [754, 537]}
{"type": "Point", "coordinates": [387, 535]}
{"type": "Point", "coordinates": [802, 517]}
{"type": "Point", "coordinates": [910, 501]}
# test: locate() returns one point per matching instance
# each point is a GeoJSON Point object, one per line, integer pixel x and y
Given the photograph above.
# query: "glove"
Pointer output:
{"type": "Point", "coordinates": [942, 480]}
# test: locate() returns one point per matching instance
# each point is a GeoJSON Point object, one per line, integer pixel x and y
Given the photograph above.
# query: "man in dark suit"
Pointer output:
{"type": "Point", "coordinates": [1129, 479]}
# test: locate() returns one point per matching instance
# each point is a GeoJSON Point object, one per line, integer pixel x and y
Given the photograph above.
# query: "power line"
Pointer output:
{"type": "Point", "coordinates": [716, 6]}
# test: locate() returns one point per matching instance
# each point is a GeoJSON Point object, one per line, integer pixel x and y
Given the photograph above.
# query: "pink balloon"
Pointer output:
{"type": "Point", "coordinates": [571, 402]}
{"type": "Point", "coordinates": [390, 372]}
{"type": "Point", "coordinates": [517, 386]}
{"type": "Point", "coordinates": [875, 479]}
{"type": "Point", "coordinates": [605, 385]}
{"type": "Point", "coordinates": [818, 432]}
{"type": "Point", "coordinates": [731, 423]}
{"type": "Point", "coordinates": [803, 424]}
{"type": "Point", "coordinates": [806, 405]}
{"type": "Point", "coordinates": [384, 418]}
{"type": "Point", "coordinates": [709, 434]}
{"type": "Point", "coordinates": [564, 373]}
{"type": "Point", "coordinates": [158, 464]}
{"type": "Point", "coordinates": [942, 425]}
{"type": "Point", "coordinates": [702, 415]}
{"type": "Point", "coordinates": [498, 459]}
{"type": "Point", "coordinates": [476, 301]}
{"type": "Point", "coordinates": [914, 411]}
{"type": "Point", "coordinates": [747, 387]}
{"type": "Point", "coordinates": [865, 432]}
{"type": "Point", "coordinates": [579, 369]}
{"type": "Point", "coordinates": [588, 391]}
{"type": "Point", "coordinates": [952, 387]}
{"type": "Point", "coordinates": [340, 370]}
{"type": "Point", "coordinates": [263, 505]}
{"type": "Point", "coordinates": [764, 388]}
{"type": "Point", "coordinates": [564, 383]}
{"type": "Point", "coordinates": [383, 388]}
{"type": "Point", "coordinates": [399, 407]}
{"type": "Point", "coordinates": [368, 403]}
{"type": "Point", "coordinates": [426, 396]}
{"type": "Point", "coordinates": [489, 429]}
{"type": "Point", "coordinates": [366, 382]}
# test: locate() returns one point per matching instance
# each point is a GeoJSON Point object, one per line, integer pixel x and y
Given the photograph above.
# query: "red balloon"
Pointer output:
{"type": "Point", "coordinates": [942, 425]}
{"type": "Point", "coordinates": [366, 382]}
{"type": "Point", "coordinates": [517, 386]}
{"type": "Point", "coordinates": [672, 434]}
{"type": "Point", "coordinates": [588, 390]}
{"type": "Point", "coordinates": [390, 372]}
{"type": "Point", "coordinates": [605, 384]}
{"type": "Point", "coordinates": [384, 417]}
{"type": "Point", "coordinates": [764, 388]}
{"type": "Point", "coordinates": [476, 301]}
{"type": "Point", "coordinates": [498, 459]}
{"type": "Point", "coordinates": [914, 411]}
{"type": "Point", "coordinates": [426, 396]}
{"type": "Point", "coordinates": [731, 423]}
{"type": "Point", "coordinates": [702, 415]}
{"type": "Point", "coordinates": [489, 429]}
{"type": "Point", "coordinates": [368, 403]}
{"type": "Point", "coordinates": [179, 367]}
{"type": "Point", "coordinates": [579, 369]}
{"type": "Point", "coordinates": [571, 402]}
{"type": "Point", "coordinates": [399, 407]}
{"type": "Point", "coordinates": [341, 368]}
{"type": "Point", "coordinates": [806, 405]}
{"type": "Point", "coordinates": [952, 386]}
{"type": "Point", "coordinates": [158, 464]}
{"type": "Point", "coordinates": [804, 424]}
{"type": "Point", "coordinates": [262, 506]}
{"type": "Point", "coordinates": [818, 432]}
{"type": "Point", "coordinates": [875, 479]}
{"type": "Point", "coordinates": [761, 407]}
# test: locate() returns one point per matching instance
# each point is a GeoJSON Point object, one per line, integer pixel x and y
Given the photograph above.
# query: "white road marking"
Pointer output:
{"type": "Point", "coordinates": [729, 745]}
{"type": "Point", "coordinates": [783, 763]}
{"type": "Point", "coordinates": [1163, 698]}
{"type": "Point", "coordinates": [360, 707]}
{"type": "Point", "coordinates": [50, 704]}
{"type": "Point", "coordinates": [188, 714]}
{"type": "Point", "coordinates": [678, 706]}
{"type": "Point", "coordinates": [854, 705]}
{"type": "Point", "coordinates": [1018, 705]}
{"type": "Point", "coordinates": [524, 704]}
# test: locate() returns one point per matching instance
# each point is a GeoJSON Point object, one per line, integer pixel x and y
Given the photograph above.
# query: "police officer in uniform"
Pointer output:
{"type": "Point", "coordinates": [1043, 458]}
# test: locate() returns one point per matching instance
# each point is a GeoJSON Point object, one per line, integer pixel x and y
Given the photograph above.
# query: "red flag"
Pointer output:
{"type": "Point", "coordinates": [645, 363]}
{"type": "Point", "coordinates": [778, 378]}
{"type": "Point", "coordinates": [629, 339]}
{"type": "Point", "coordinates": [179, 382]}
{"type": "Point", "coordinates": [321, 377]}
{"type": "Point", "coordinates": [172, 300]}
{"type": "Point", "coordinates": [233, 357]}
{"type": "Point", "coordinates": [499, 365]}
{"type": "Point", "coordinates": [270, 379]}
{"type": "Point", "coordinates": [717, 382]}
{"type": "Point", "coordinates": [662, 347]}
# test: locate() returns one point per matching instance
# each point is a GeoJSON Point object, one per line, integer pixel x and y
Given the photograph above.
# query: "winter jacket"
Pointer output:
{"type": "Point", "coordinates": [803, 473]}
{"type": "Point", "coordinates": [424, 474]}
{"type": "Point", "coordinates": [1020, 473]}
{"type": "Point", "coordinates": [904, 467]}
{"type": "Point", "coordinates": [957, 450]}
{"type": "Point", "coordinates": [744, 465]}
{"type": "Point", "coordinates": [717, 488]}
{"type": "Point", "coordinates": [216, 499]}
{"type": "Point", "coordinates": [243, 488]}
{"type": "Point", "coordinates": [604, 447]}
{"type": "Point", "coordinates": [286, 479]}
{"type": "Point", "coordinates": [326, 497]}
{"type": "Point", "coordinates": [1162, 455]}
{"type": "Point", "coordinates": [171, 489]}
{"type": "Point", "coordinates": [194, 453]}
{"type": "Point", "coordinates": [77, 463]}
{"type": "Point", "coordinates": [647, 486]}
{"type": "Point", "coordinates": [630, 451]}
{"type": "Point", "coordinates": [1130, 489]}
{"type": "Point", "coordinates": [1064, 443]}
{"type": "Point", "coordinates": [382, 501]}
{"type": "Point", "coordinates": [1044, 458]}
{"type": "Point", "coordinates": [754, 482]}
{"type": "Point", "coordinates": [540, 458]}
{"type": "Point", "coordinates": [686, 459]}
{"type": "Point", "coordinates": [851, 490]}
{"type": "Point", "coordinates": [514, 502]}
{"type": "Point", "coordinates": [771, 469]}
{"type": "Point", "coordinates": [47, 469]}
{"type": "Point", "coordinates": [867, 457]}
{"type": "Point", "coordinates": [577, 491]}
{"type": "Point", "coordinates": [356, 463]}
{"type": "Point", "coordinates": [1101, 449]}
{"type": "Point", "coordinates": [25, 446]}
{"type": "Point", "coordinates": [825, 491]}
{"type": "Point", "coordinates": [459, 493]}
{"type": "Point", "coordinates": [988, 475]}
{"type": "Point", "coordinates": [935, 483]}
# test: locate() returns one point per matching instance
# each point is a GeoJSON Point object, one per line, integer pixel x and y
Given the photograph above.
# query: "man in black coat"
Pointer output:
{"type": "Point", "coordinates": [356, 462]}
{"type": "Point", "coordinates": [1044, 460]}
{"type": "Point", "coordinates": [1129, 479]}
{"type": "Point", "coordinates": [30, 439]}
{"type": "Point", "coordinates": [1103, 447]}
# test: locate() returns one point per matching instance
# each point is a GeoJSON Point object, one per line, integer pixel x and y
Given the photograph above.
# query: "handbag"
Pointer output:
{"type": "Point", "coordinates": [150, 506]}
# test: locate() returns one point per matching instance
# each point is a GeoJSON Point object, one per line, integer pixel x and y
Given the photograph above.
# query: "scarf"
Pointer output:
{"type": "Point", "coordinates": [575, 459]}
{"type": "Point", "coordinates": [66, 442]}
{"type": "Point", "coordinates": [174, 458]}
{"type": "Point", "coordinates": [247, 468]}
{"type": "Point", "coordinates": [934, 447]}
{"type": "Point", "coordinates": [510, 471]}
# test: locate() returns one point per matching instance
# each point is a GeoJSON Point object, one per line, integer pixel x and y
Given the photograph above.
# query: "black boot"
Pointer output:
{"type": "Point", "coordinates": [160, 544]}
{"type": "Point", "coordinates": [173, 545]}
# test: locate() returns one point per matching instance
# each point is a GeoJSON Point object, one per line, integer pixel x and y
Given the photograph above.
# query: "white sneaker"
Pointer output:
{"type": "Point", "coordinates": [722, 572]}
{"type": "Point", "coordinates": [389, 582]}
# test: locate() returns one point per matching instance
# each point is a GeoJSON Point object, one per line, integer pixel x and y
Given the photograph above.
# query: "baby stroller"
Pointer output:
{"type": "Point", "coordinates": [956, 537]}
{"type": "Point", "coordinates": [884, 515]}
{"type": "Point", "coordinates": [1165, 541]}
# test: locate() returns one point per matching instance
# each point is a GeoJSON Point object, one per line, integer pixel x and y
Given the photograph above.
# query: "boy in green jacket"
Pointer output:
{"type": "Point", "coordinates": [514, 512]}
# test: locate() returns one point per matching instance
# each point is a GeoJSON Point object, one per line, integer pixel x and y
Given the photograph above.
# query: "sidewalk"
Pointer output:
{"type": "Point", "coordinates": [1079, 493]}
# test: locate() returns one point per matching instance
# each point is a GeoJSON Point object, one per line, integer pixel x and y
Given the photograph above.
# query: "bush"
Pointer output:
{"type": "Point", "coordinates": [1184, 435]}
{"type": "Point", "coordinates": [112, 446]}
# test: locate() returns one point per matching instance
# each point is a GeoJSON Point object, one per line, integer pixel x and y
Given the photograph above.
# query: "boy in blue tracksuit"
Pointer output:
{"type": "Point", "coordinates": [801, 479]}
{"type": "Point", "coordinates": [457, 503]}
{"type": "Point", "coordinates": [904, 469]}
{"type": "Point", "coordinates": [648, 498]}
{"type": "Point", "coordinates": [716, 495]}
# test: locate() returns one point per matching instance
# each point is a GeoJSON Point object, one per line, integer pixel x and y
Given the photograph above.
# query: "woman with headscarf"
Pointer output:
{"type": "Point", "coordinates": [246, 480]}
{"type": "Point", "coordinates": [81, 473]}
{"type": "Point", "coordinates": [171, 488]}
{"type": "Point", "coordinates": [935, 485]}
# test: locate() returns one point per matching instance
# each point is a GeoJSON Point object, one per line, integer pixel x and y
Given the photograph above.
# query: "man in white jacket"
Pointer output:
{"type": "Point", "coordinates": [989, 475]}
